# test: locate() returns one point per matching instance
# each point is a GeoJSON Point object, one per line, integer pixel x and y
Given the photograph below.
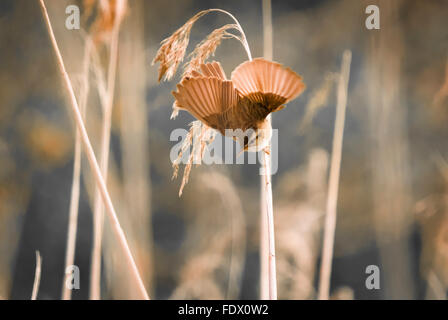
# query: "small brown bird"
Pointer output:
{"type": "Point", "coordinates": [257, 88]}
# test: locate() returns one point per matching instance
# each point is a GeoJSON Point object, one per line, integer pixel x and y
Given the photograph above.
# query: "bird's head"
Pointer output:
{"type": "Point", "coordinates": [259, 138]}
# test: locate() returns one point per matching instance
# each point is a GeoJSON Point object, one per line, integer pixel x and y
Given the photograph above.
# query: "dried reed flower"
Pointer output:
{"type": "Point", "coordinates": [173, 48]}
{"type": "Point", "coordinates": [109, 15]}
{"type": "Point", "coordinates": [89, 8]}
{"type": "Point", "coordinates": [203, 50]}
{"type": "Point", "coordinates": [198, 138]}
{"type": "Point", "coordinates": [172, 51]}
{"type": "Point", "coordinates": [208, 46]}
{"type": "Point", "coordinates": [175, 111]}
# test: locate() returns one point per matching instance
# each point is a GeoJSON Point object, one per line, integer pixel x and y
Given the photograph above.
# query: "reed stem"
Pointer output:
{"type": "Point", "coordinates": [115, 224]}
{"type": "Point", "coordinates": [74, 197]}
{"type": "Point", "coordinates": [333, 184]}
{"type": "Point", "coordinates": [98, 212]}
{"type": "Point", "coordinates": [37, 273]}
{"type": "Point", "coordinates": [268, 283]}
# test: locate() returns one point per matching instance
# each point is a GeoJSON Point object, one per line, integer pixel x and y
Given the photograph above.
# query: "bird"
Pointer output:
{"type": "Point", "coordinates": [255, 89]}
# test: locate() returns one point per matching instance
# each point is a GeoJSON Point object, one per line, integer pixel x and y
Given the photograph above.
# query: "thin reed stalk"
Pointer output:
{"type": "Point", "coordinates": [135, 155]}
{"type": "Point", "coordinates": [115, 224]}
{"type": "Point", "coordinates": [98, 211]}
{"type": "Point", "coordinates": [390, 154]}
{"type": "Point", "coordinates": [333, 184]}
{"type": "Point", "coordinates": [74, 197]}
{"type": "Point", "coordinates": [264, 245]}
{"type": "Point", "coordinates": [269, 213]}
{"type": "Point", "coordinates": [37, 273]}
{"type": "Point", "coordinates": [268, 279]}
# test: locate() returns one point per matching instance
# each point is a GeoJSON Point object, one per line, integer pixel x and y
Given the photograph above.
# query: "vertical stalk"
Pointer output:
{"type": "Point", "coordinates": [268, 281]}
{"type": "Point", "coordinates": [74, 197]}
{"type": "Point", "coordinates": [264, 245]}
{"type": "Point", "coordinates": [390, 154]}
{"type": "Point", "coordinates": [115, 224]}
{"type": "Point", "coordinates": [135, 151]}
{"type": "Point", "coordinates": [333, 184]}
{"type": "Point", "coordinates": [37, 273]}
{"type": "Point", "coordinates": [98, 211]}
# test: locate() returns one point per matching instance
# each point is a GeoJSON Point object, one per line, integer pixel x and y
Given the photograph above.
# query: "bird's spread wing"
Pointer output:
{"type": "Point", "coordinates": [206, 93]}
{"type": "Point", "coordinates": [267, 83]}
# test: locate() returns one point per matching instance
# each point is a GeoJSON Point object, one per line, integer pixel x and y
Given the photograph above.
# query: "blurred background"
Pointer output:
{"type": "Point", "coordinates": [393, 199]}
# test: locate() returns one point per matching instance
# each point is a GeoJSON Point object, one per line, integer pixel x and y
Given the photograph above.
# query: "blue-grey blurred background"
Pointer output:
{"type": "Point", "coordinates": [393, 199]}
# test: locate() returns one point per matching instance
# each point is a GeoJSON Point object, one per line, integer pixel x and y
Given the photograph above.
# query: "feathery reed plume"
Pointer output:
{"type": "Point", "coordinates": [140, 288]}
{"type": "Point", "coordinates": [198, 137]}
{"type": "Point", "coordinates": [333, 183]}
{"type": "Point", "coordinates": [208, 46]}
{"type": "Point", "coordinates": [173, 48]}
{"type": "Point", "coordinates": [107, 14]}
{"type": "Point", "coordinates": [194, 131]}
{"type": "Point", "coordinates": [74, 197]}
{"type": "Point", "coordinates": [172, 51]}
{"type": "Point", "coordinates": [110, 18]}
{"type": "Point", "coordinates": [37, 276]}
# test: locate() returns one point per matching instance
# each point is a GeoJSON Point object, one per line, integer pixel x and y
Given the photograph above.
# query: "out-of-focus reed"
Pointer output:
{"type": "Point", "coordinates": [92, 160]}
{"type": "Point", "coordinates": [333, 183]}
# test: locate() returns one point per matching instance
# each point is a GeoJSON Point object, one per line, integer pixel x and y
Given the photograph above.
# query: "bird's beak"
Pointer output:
{"type": "Point", "coordinates": [267, 150]}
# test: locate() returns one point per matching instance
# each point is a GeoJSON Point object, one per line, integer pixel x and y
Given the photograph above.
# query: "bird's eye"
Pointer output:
{"type": "Point", "coordinates": [253, 139]}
